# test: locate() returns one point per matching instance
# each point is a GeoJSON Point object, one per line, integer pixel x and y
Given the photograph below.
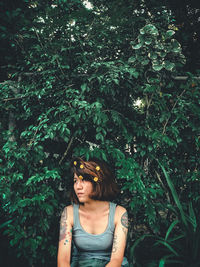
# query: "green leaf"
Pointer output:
{"type": "Point", "coordinates": [176, 47]}
{"type": "Point", "coordinates": [131, 59]}
{"type": "Point", "coordinates": [137, 46]}
{"type": "Point", "coordinates": [169, 34]}
{"type": "Point", "coordinates": [173, 224]}
{"type": "Point", "coordinates": [151, 29]}
{"type": "Point", "coordinates": [152, 55]}
{"type": "Point", "coordinates": [169, 65]}
{"type": "Point", "coordinates": [99, 136]}
{"type": "Point", "coordinates": [5, 224]}
{"type": "Point", "coordinates": [169, 247]}
{"type": "Point", "coordinates": [157, 67]}
{"type": "Point", "coordinates": [145, 62]}
{"type": "Point", "coordinates": [83, 87]}
{"type": "Point", "coordinates": [174, 194]}
{"type": "Point", "coordinates": [162, 263]}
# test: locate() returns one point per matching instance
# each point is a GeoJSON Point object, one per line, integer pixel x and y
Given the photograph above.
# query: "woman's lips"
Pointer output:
{"type": "Point", "coordinates": [80, 194]}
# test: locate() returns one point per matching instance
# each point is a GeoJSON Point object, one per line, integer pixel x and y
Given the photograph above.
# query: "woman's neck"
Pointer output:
{"type": "Point", "coordinates": [94, 205]}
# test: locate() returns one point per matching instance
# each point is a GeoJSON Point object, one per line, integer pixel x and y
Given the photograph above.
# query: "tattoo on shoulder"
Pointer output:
{"type": "Point", "coordinates": [124, 220]}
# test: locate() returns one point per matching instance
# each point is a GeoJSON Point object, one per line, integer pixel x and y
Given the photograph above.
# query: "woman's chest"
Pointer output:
{"type": "Point", "coordinates": [94, 224]}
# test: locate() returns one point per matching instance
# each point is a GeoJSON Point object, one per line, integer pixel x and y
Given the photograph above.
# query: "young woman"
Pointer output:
{"type": "Point", "coordinates": [93, 230]}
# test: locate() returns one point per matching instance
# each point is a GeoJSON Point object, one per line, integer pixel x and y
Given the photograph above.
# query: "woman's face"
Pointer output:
{"type": "Point", "coordinates": [83, 189]}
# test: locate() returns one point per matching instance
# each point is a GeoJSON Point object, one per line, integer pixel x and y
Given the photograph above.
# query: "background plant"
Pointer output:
{"type": "Point", "coordinates": [182, 235]}
{"type": "Point", "coordinates": [72, 78]}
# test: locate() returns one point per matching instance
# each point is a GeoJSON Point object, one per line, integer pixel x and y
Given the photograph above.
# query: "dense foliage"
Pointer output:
{"type": "Point", "coordinates": [99, 80]}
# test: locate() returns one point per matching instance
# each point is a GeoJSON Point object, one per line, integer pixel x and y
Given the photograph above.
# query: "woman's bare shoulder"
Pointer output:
{"type": "Point", "coordinates": [68, 210]}
{"type": "Point", "coordinates": [120, 209]}
{"type": "Point", "coordinates": [69, 207]}
{"type": "Point", "coordinates": [120, 212]}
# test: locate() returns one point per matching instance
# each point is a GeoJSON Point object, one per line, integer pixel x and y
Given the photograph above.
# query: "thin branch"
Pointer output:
{"type": "Point", "coordinates": [14, 98]}
{"type": "Point", "coordinates": [43, 47]}
{"type": "Point", "coordinates": [38, 37]}
{"type": "Point", "coordinates": [8, 82]}
{"type": "Point", "coordinates": [70, 85]}
{"type": "Point", "coordinates": [20, 46]}
{"type": "Point", "coordinates": [165, 125]}
{"type": "Point", "coordinates": [68, 147]}
{"type": "Point", "coordinates": [32, 140]}
{"type": "Point", "coordinates": [148, 101]}
{"type": "Point", "coordinates": [60, 67]}
{"type": "Point", "coordinates": [89, 31]}
{"type": "Point", "coordinates": [112, 110]}
{"type": "Point", "coordinates": [183, 78]}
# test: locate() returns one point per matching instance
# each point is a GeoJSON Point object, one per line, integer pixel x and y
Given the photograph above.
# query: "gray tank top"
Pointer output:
{"type": "Point", "coordinates": [90, 245]}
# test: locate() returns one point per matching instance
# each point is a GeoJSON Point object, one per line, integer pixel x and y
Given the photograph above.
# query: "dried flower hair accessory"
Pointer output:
{"type": "Point", "coordinates": [97, 168]}
{"type": "Point", "coordinates": [80, 177]}
{"type": "Point", "coordinates": [81, 166]}
{"type": "Point", "coordinates": [95, 179]}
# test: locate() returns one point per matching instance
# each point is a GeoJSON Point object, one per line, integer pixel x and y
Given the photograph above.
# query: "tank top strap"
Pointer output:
{"type": "Point", "coordinates": [112, 215]}
{"type": "Point", "coordinates": [76, 215]}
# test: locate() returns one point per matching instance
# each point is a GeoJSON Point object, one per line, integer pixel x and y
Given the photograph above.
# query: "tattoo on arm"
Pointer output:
{"type": "Point", "coordinates": [65, 234]}
{"type": "Point", "coordinates": [125, 230]}
{"type": "Point", "coordinates": [65, 231]}
{"type": "Point", "coordinates": [63, 225]}
{"type": "Point", "coordinates": [114, 248]}
{"type": "Point", "coordinates": [124, 222]}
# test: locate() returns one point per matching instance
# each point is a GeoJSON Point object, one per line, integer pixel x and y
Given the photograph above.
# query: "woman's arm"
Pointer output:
{"type": "Point", "coordinates": [119, 240]}
{"type": "Point", "coordinates": [65, 238]}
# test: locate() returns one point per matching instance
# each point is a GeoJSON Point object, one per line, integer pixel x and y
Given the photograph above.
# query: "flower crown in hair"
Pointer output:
{"type": "Point", "coordinates": [95, 179]}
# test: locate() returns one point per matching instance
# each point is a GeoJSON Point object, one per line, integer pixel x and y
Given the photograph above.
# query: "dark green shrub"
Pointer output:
{"type": "Point", "coordinates": [73, 89]}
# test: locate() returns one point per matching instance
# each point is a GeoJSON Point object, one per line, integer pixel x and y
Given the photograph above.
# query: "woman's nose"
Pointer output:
{"type": "Point", "coordinates": [79, 184]}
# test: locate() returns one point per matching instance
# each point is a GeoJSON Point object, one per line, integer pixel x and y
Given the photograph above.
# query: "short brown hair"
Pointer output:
{"type": "Point", "coordinates": [105, 188]}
